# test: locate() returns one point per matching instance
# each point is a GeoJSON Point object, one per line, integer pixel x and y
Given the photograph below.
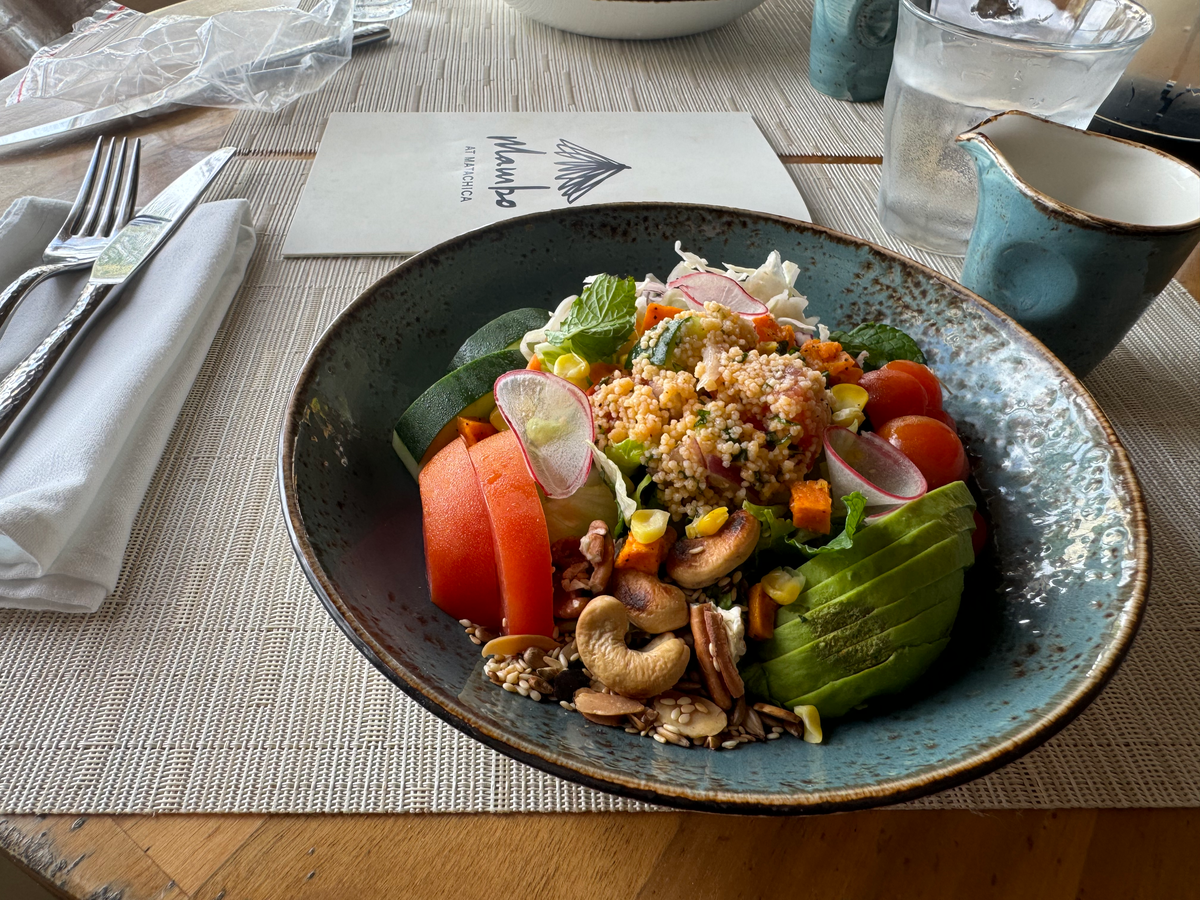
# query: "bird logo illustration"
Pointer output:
{"type": "Point", "coordinates": [582, 169]}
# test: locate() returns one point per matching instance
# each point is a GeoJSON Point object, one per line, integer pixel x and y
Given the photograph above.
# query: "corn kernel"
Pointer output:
{"type": "Point", "coordinates": [574, 369]}
{"type": "Point", "coordinates": [709, 523]}
{"type": "Point", "coordinates": [849, 418]}
{"type": "Point", "coordinates": [848, 396]}
{"type": "Point", "coordinates": [811, 718]}
{"type": "Point", "coordinates": [648, 525]}
{"type": "Point", "coordinates": [497, 420]}
{"type": "Point", "coordinates": [783, 585]}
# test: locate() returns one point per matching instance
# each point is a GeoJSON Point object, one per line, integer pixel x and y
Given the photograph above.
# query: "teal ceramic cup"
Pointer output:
{"type": "Point", "coordinates": [850, 54]}
{"type": "Point", "coordinates": [1075, 233]}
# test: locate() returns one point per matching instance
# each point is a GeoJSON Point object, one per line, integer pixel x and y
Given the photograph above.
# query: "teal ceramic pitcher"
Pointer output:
{"type": "Point", "coordinates": [1075, 233]}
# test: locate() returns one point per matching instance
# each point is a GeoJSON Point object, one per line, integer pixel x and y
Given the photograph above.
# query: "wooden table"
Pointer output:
{"type": "Point", "coordinates": [1025, 855]}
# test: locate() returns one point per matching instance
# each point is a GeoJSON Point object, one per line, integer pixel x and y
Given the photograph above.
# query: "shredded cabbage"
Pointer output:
{"type": "Point", "coordinates": [528, 345]}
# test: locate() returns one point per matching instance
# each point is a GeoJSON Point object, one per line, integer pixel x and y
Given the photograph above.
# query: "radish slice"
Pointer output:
{"type": "Point", "coordinates": [703, 287]}
{"type": "Point", "coordinates": [870, 465]}
{"type": "Point", "coordinates": [552, 420]}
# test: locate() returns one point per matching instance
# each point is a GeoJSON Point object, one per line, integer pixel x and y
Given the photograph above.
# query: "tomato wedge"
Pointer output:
{"type": "Point", "coordinates": [519, 535]}
{"type": "Point", "coordinates": [459, 560]}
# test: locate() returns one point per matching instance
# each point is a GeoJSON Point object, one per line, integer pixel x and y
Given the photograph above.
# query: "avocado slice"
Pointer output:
{"type": "Point", "coordinates": [887, 558]}
{"type": "Point", "coordinates": [900, 670]}
{"type": "Point", "coordinates": [913, 573]}
{"type": "Point", "coordinates": [857, 615]}
{"type": "Point", "coordinates": [831, 659]}
{"type": "Point", "coordinates": [874, 538]}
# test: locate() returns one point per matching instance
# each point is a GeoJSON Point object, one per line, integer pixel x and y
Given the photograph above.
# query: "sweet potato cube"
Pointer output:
{"type": "Point", "coordinates": [656, 313]}
{"type": "Point", "coordinates": [473, 430]}
{"type": "Point", "coordinates": [812, 505]}
{"type": "Point", "coordinates": [644, 557]}
{"type": "Point", "coordinates": [761, 625]}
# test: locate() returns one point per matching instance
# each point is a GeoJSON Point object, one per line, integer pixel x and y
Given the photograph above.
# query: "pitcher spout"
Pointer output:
{"type": "Point", "coordinates": [1092, 180]}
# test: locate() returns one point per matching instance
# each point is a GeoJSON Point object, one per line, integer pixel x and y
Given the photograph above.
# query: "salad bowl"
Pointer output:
{"type": "Point", "coordinates": [634, 19]}
{"type": "Point", "coordinates": [1049, 610]}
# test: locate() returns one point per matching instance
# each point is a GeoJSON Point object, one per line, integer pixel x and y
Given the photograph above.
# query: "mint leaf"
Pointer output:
{"type": "Point", "coordinates": [883, 343]}
{"type": "Point", "coordinates": [600, 321]}
{"type": "Point", "coordinates": [774, 526]}
{"type": "Point", "coordinates": [856, 511]}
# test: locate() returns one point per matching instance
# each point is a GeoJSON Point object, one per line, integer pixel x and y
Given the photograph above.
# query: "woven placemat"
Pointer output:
{"type": "Point", "coordinates": [213, 680]}
{"type": "Point", "coordinates": [483, 56]}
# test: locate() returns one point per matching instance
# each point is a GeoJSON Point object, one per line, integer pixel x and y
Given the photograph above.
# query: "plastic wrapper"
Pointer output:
{"type": "Point", "coordinates": [259, 59]}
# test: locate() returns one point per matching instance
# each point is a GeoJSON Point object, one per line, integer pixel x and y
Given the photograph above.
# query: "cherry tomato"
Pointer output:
{"type": "Point", "coordinates": [891, 394]}
{"type": "Point", "coordinates": [933, 388]}
{"type": "Point", "coordinates": [979, 535]}
{"type": "Point", "coordinates": [944, 417]}
{"type": "Point", "coordinates": [933, 447]}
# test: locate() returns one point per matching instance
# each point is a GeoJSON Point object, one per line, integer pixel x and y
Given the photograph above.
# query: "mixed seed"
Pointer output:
{"type": "Point", "coordinates": [684, 716]}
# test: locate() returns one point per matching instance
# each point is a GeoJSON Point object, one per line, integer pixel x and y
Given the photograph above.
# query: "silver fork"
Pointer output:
{"type": "Point", "coordinates": [104, 204]}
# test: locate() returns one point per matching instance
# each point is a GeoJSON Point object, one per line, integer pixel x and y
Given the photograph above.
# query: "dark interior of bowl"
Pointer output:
{"type": "Point", "coordinates": [1048, 612]}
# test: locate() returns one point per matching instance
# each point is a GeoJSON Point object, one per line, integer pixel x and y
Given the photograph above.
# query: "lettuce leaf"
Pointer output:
{"type": "Point", "coordinates": [775, 527]}
{"type": "Point", "coordinates": [616, 481]}
{"type": "Point", "coordinates": [600, 321]}
{"type": "Point", "coordinates": [856, 512]}
{"type": "Point", "coordinates": [627, 455]}
{"type": "Point", "coordinates": [571, 516]}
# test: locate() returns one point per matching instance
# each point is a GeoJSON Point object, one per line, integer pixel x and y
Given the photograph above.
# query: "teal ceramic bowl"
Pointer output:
{"type": "Point", "coordinates": [1049, 610]}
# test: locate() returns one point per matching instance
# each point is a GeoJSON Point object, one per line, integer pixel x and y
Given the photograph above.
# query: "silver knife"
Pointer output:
{"type": "Point", "coordinates": [125, 255]}
{"type": "Point", "coordinates": [103, 117]}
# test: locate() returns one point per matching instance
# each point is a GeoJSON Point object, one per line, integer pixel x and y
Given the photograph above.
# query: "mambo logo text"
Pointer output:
{"type": "Point", "coordinates": [580, 170]}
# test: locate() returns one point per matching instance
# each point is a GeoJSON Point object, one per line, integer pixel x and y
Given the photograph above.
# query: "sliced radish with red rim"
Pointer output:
{"type": "Point", "coordinates": [552, 420]}
{"type": "Point", "coordinates": [709, 287]}
{"type": "Point", "coordinates": [870, 465]}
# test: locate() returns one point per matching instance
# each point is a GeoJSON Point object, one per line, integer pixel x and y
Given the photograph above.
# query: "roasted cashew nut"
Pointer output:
{"type": "Point", "coordinates": [652, 605]}
{"type": "Point", "coordinates": [600, 639]}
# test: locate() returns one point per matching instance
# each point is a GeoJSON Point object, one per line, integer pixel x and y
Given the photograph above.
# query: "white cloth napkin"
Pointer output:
{"type": "Point", "coordinates": [73, 477]}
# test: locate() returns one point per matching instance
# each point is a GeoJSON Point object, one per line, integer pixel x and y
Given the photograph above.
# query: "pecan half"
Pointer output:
{"type": "Point", "coordinates": [704, 647]}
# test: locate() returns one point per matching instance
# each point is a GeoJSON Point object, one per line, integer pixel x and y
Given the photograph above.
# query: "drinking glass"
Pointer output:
{"type": "Point", "coordinates": [965, 60]}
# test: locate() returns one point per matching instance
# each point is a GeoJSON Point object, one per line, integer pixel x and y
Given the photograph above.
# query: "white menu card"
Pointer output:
{"type": "Point", "coordinates": [386, 183]}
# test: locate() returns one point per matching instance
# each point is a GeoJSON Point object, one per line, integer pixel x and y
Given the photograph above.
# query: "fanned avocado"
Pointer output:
{"type": "Point", "coordinates": [427, 419]}
{"type": "Point", "coordinates": [867, 570]}
{"type": "Point", "coordinates": [900, 670]}
{"type": "Point", "coordinates": [833, 658]}
{"type": "Point", "coordinates": [858, 616]}
{"type": "Point", "coordinates": [873, 617]}
{"type": "Point", "coordinates": [502, 333]}
{"type": "Point", "coordinates": [887, 530]}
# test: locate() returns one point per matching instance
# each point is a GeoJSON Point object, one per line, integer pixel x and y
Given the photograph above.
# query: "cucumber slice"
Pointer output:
{"type": "Point", "coordinates": [428, 423]}
{"type": "Point", "coordinates": [502, 333]}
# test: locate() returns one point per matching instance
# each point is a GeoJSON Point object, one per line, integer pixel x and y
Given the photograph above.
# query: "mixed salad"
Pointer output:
{"type": "Point", "coordinates": [688, 509]}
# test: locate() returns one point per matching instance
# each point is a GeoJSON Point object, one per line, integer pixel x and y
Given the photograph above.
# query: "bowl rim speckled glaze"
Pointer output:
{"type": "Point", "coordinates": [629, 784]}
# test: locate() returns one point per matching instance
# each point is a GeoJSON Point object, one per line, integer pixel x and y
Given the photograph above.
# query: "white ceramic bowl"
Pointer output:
{"type": "Point", "coordinates": [634, 19]}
